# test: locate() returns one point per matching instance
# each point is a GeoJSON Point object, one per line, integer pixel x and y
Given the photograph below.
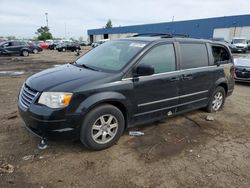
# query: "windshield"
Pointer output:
{"type": "Point", "coordinates": [236, 41]}
{"type": "Point", "coordinates": [112, 55]}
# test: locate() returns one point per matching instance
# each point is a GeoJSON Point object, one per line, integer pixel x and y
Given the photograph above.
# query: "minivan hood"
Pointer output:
{"type": "Point", "coordinates": [241, 62]}
{"type": "Point", "coordinates": [64, 78]}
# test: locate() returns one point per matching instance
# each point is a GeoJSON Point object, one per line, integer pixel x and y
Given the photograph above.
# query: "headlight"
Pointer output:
{"type": "Point", "coordinates": [55, 99]}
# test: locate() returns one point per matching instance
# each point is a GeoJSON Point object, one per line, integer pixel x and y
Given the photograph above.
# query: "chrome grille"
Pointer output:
{"type": "Point", "coordinates": [27, 96]}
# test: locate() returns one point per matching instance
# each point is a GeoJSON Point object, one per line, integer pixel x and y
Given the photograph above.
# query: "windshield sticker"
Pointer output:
{"type": "Point", "coordinates": [137, 45]}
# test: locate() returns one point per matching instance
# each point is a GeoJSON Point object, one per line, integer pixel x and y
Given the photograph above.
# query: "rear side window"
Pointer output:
{"type": "Point", "coordinates": [161, 57]}
{"type": "Point", "coordinates": [193, 56]}
{"type": "Point", "coordinates": [22, 43]}
{"type": "Point", "coordinates": [220, 54]}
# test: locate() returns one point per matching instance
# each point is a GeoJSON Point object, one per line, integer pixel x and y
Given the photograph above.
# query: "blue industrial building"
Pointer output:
{"type": "Point", "coordinates": [230, 26]}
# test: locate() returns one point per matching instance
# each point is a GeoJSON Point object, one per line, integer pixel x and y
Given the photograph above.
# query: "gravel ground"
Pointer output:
{"type": "Point", "coordinates": [183, 151]}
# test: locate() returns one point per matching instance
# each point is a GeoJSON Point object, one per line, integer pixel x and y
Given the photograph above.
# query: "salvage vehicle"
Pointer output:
{"type": "Point", "coordinates": [15, 47]}
{"type": "Point", "coordinates": [68, 46]}
{"type": "Point", "coordinates": [126, 82]}
{"type": "Point", "coordinates": [242, 69]}
{"type": "Point", "coordinates": [239, 45]}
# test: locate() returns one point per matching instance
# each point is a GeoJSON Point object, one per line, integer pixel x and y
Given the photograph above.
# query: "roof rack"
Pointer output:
{"type": "Point", "coordinates": [162, 35]}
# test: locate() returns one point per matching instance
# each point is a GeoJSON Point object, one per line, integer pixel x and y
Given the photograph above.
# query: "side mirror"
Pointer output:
{"type": "Point", "coordinates": [144, 70]}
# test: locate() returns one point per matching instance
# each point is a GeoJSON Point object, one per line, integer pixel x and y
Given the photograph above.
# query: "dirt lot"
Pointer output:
{"type": "Point", "coordinates": [183, 151]}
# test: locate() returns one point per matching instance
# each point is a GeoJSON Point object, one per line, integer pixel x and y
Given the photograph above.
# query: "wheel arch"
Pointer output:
{"type": "Point", "coordinates": [113, 98]}
{"type": "Point", "coordinates": [224, 85]}
{"type": "Point", "coordinates": [222, 82]}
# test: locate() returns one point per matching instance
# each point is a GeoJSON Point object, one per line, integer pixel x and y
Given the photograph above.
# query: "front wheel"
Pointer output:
{"type": "Point", "coordinates": [102, 127]}
{"type": "Point", "coordinates": [217, 100]}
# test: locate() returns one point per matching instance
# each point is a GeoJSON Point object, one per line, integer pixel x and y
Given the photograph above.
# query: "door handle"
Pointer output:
{"type": "Point", "coordinates": [187, 77]}
{"type": "Point", "coordinates": [174, 79]}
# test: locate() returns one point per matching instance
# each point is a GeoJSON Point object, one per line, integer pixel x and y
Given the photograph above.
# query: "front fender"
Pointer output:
{"type": "Point", "coordinates": [27, 49]}
{"type": "Point", "coordinates": [103, 97]}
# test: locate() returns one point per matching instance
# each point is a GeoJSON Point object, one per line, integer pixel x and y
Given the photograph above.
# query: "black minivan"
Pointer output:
{"type": "Point", "coordinates": [127, 82]}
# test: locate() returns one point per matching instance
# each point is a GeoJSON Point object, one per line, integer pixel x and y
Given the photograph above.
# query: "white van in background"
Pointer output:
{"type": "Point", "coordinates": [239, 45]}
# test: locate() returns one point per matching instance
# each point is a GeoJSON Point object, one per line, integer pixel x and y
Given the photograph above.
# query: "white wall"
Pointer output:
{"type": "Point", "coordinates": [113, 36]}
{"type": "Point", "coordinates": [231, 32]}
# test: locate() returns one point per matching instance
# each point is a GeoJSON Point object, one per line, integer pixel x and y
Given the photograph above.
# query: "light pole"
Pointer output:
{"type": "Point", "coordinates": [47, 20]}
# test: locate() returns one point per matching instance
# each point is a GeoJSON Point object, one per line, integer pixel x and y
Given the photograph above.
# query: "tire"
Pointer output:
{"type": "Point", "coordinates": [35, 51]}
{"type": "Point", "coordinates": [63, 49]}
{"type": "Point", "coordinates": [25, 53]}
{"type": "Point", "coordinates": [96, 131]}
{"type": "Point", "coordinates": [216, 100]}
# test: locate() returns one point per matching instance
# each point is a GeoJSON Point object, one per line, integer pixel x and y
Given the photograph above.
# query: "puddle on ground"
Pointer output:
{"type": "Point", "coordinates": [12, 73]}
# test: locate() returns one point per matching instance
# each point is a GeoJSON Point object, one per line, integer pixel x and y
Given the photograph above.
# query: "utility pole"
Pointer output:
{"type": "Point", "coordinates": [173, 19]}
{"type": "Point", "coordinates": [47, 20]}
{"type": "Point", "coordinates": [65, 31]}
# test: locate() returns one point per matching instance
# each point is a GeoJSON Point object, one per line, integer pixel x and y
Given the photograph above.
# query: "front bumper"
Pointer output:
{"type": "Point", "coordinates": [242, 74]}
{"type": "Point", "coordinates": [238, 49]}
{"type": "Point", "coordinates": [46, 122]}
{"type": "Point", "coordinates": [242, 80]}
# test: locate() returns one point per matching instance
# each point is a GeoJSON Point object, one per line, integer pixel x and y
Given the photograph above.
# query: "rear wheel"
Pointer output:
{"type": "Point", "coordinates": [102, 127]}
{"type": "Point", "coordinates": [25, 53]}
{"type": "Point", "coordinates": [35, 51]}
{"type": "Point", "coordinates": [217, 100]}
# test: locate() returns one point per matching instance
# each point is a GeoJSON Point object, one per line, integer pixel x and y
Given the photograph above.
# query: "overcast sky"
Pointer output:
{"type": "Point", "coordinates": [21, 18]}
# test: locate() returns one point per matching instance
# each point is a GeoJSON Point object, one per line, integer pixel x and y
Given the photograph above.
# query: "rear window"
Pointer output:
{"type": "Point", "coordinates": [193, 55]}
{"type": "Point", "coordinates": [15, 43]}
{"type": "Point", "coordinates": [220, 54]}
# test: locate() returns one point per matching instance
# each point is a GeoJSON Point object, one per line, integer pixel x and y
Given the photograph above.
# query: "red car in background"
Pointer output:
{"type": "Point", "coordinates": [43, 45]}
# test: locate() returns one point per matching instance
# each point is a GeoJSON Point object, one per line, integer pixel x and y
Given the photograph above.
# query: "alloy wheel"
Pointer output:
{"type": "Point", "coordinates": [217, 101]}
{"type": "Point", "coordinates": [104, 129]}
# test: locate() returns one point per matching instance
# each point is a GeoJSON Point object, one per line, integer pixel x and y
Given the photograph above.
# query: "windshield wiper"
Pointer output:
{"type": "Point", "coordinates": [88, 67]}
{"type": "Point", "coordinates": [85, 66]}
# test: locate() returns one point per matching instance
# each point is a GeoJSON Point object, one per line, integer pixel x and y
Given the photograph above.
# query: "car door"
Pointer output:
{"type": "Point", "coordinates": [196, 75]}
{"type": "Point", "coordinates": [13, 47]}
{"type": "Point", "coordinates": [6, 47]}
{"type": "Point", "coordinates": [70, 46]}
{"type": "Point", "coordinates": [3, 47]}
{"type": "Point", "coordinates": [157, 94]}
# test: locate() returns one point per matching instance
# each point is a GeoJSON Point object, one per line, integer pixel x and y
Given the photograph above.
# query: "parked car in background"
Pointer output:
{"type": "Point", "coordinates": [99, 42]}
{"type": "Point", "coordinates": [239, 45]}
{"type": "Point", "coordinates": [53, 45]}
{"type": "Point", "coordinates": [84, 43]}
{"type": "Point", "coordinates": [242, 69]}
{"type": "Point", "coordinates": [124, 83]}
{"type": "Point", "coordinates": [68, 46]}
{"type": "Point", "coordinates": [44, 45]}
{"type": "Point", "coordinates": [248, 45]}
{"type": "Point", "coordinates": [34, 48]}
{"type": "Point", "coordinates": [50, 41]}
{"type": "Point", "coordinates": [15, 47]}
